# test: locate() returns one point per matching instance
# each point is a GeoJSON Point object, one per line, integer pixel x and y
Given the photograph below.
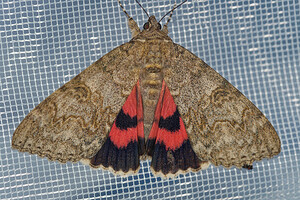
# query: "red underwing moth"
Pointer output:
{"type": "Point", "coordinates": [148, 98]}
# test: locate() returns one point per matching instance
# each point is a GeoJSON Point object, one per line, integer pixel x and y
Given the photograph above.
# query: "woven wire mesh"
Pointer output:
{"type": "Point", "coordinates": [253, 44]}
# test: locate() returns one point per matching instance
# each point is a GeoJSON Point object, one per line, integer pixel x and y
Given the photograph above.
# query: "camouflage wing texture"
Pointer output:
{"type": "Point", "coordinates": [224, 127]}
{"type": "Point", "coordinates": [73, 122]}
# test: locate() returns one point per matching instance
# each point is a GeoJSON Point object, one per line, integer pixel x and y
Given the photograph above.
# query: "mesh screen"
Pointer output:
{"type": "Point", "coordinates": [253, 44]}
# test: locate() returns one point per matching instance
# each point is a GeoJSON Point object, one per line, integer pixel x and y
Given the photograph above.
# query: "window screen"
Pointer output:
{"type": "Point", "coordinates": [253, 44]}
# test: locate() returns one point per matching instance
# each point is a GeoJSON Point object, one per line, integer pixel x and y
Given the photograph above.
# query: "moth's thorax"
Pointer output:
{"type": "Point", "coordinates": [151, 35]}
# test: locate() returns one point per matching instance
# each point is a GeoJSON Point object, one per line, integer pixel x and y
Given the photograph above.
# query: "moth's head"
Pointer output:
{"type": "Point", "coordinates": [152, 24]}
{"type": "Point", "coordinates": [152, 28]}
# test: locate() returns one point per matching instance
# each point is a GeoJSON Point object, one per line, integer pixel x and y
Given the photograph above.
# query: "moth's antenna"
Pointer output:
{"type": "Point", "coordinates": [171, 11]}
{"type": "Point", "coordinates": [142, 8]}
{"type": "Point", "coordinates": [127, 13]}
{"type": "Point", "coordinates": [135, 30]}
{"type": "Point", "coordinates": [124, 9]}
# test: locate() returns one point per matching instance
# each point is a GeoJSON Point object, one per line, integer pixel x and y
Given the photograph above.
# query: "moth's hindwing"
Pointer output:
{"type": "Point", "coordinates": [168, 142]}
{"type": "Point", "coordinates": [121, 150]}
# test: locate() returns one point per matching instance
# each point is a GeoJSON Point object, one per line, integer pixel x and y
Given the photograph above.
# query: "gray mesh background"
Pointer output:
{"type": "Point", "coordinates": [254, 44]}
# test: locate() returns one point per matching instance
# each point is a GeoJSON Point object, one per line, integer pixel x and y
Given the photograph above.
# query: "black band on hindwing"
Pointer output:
{"type": "Point", "coordinates": [171, 123]}
{"type": "Point", "coordinates": [124, 121]}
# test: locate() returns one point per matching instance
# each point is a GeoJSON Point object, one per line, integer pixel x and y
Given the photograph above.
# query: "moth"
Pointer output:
{"type": "Point", "coordinates": [148, 98]}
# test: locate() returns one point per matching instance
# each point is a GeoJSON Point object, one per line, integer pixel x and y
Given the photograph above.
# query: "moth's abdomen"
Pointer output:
{"type": "Point", "coordinates": [154, 60]}
{"type": "Point", "coordinates": [151, 78]}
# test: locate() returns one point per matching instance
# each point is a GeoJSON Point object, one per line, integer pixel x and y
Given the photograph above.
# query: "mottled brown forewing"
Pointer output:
{"type": "Point", "coordinates": [72, 123]}
{"type": "Point", "coordinates": [225, 128]}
